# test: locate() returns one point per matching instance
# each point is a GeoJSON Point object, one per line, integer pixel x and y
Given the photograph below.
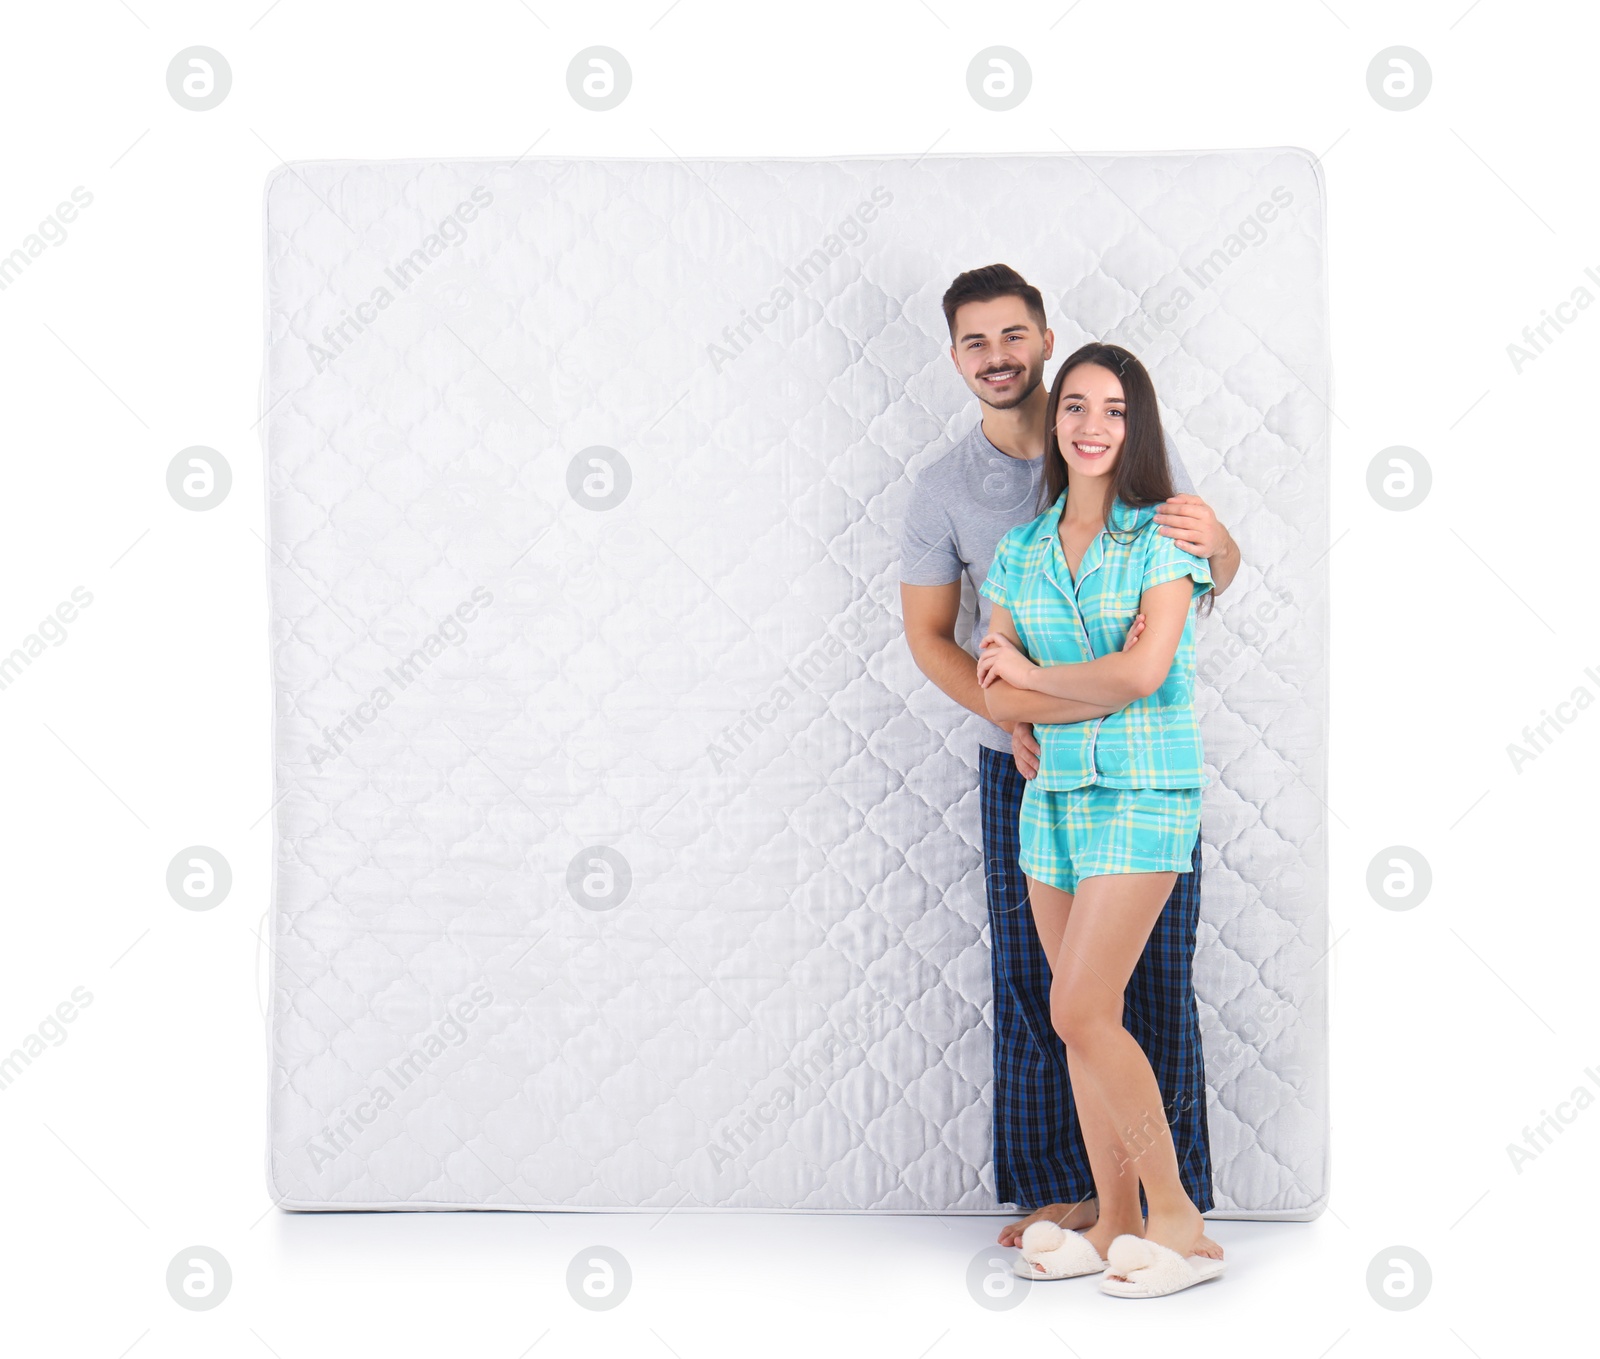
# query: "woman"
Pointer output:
{"type": "Point", "coordinates": [1113, 814]}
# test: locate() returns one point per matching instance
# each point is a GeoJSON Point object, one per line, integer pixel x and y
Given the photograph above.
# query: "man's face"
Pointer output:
{"type": "Point", "coordinates": [1000, 351]}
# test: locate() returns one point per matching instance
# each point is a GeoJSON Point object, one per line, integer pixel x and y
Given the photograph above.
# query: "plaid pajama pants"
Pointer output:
{"type": "Point", "coordinates": [1038, 1146]}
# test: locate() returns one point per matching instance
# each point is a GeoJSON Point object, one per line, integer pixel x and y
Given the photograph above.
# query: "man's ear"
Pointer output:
{"type": "Point", "coordinates": [1049, 342]}
{"type": "Point", "coordinates": [953, 358]}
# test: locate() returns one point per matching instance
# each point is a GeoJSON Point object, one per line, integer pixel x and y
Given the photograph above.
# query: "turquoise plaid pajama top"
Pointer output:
{"type": "Point", "coordinates": [1154, 742]}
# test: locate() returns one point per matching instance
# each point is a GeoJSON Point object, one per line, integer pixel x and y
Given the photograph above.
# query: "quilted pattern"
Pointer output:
{"type": "Point", "coordinates": [702, 693]}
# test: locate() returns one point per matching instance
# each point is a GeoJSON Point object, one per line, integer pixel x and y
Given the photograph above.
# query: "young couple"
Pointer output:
{"type": "Point", "coordinates": [1060, 509]}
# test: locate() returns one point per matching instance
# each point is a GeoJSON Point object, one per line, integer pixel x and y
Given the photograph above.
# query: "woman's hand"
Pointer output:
{"type": "Point", "coordinates": [998, 658]}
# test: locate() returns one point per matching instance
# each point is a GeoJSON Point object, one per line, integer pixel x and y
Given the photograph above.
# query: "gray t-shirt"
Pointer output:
{"type": "Point", "coordinates": [961, 506]}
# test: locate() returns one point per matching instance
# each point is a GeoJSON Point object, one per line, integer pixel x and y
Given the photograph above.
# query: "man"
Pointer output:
{"type": "Point", "coordinates": [960, 507]}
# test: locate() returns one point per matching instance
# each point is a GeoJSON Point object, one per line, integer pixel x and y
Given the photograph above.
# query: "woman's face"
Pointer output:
{"type": "Point", "coordinates": [1091, 420]}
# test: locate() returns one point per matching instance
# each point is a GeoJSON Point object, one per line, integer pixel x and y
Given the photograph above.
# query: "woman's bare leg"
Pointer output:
{"type": "Point", "coordinates": [1106, 931]}
{"type": "Point", "coordinates": [1104, 1217]}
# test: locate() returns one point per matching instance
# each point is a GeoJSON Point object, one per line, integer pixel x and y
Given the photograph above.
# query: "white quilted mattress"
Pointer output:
{"type": "Point", "coordinates": [623, 858]}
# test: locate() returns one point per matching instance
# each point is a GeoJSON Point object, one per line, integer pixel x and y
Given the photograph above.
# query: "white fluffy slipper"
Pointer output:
{"type": "Point", "coordinates": [1063, 1254]}
{"type": "Point", "coordinates": [1152, 1270]}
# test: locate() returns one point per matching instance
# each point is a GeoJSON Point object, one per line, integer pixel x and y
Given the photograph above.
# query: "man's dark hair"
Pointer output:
{"type": "Point", "coordinates": [988, 283]}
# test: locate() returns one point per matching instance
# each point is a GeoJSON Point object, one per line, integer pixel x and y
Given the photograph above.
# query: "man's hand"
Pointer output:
{"type": "Point", "coordinates": [998, 658]}
{"type": "Point", "coordinates": [1024, 749]}
{"type": "Point", "coordinates": [1193, 524]}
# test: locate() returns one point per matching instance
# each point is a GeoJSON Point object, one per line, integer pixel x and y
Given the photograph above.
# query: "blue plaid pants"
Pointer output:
{"type": "Point", "coordinates": [1038, 1146]}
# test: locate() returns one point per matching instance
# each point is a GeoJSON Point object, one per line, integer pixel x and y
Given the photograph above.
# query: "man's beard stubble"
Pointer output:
{"type": "Point", "coordinates": [1032, 377]}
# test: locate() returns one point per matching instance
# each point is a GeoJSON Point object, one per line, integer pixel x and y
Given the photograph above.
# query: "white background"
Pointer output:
{"type": "Point", "coordinates": [1456, 1024]}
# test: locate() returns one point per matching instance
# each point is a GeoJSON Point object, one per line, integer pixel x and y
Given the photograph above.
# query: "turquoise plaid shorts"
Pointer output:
{"type": "Point", "coordinates": [1088, 832]}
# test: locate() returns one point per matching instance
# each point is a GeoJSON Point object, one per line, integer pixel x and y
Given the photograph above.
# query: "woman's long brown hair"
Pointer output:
{"type": "Point", "coordinates": [1142, 475]}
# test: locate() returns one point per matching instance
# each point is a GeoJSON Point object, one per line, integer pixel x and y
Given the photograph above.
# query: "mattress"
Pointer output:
{"type": "Point", "coordinates": [623, 859]}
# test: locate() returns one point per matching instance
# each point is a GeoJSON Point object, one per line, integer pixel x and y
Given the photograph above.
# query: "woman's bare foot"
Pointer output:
{"type": "Point", "coordinates": [1183, 1231]}
{"type": "Point", "coordinates": [1107, 1230]}
{"type": "Point", "coordinates": [1073, 1216]}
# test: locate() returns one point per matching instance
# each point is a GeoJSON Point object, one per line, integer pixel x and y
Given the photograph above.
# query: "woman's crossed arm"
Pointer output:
{"type": "Point", "coordinates": [1105, 684]}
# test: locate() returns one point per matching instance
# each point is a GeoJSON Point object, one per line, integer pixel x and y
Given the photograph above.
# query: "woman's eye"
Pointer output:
{"type": "Point", "coordinates": [1116, 413]}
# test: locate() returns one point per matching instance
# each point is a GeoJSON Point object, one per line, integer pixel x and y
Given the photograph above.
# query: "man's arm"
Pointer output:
{"type": "Point", "coordinates": [1189, 519]}
{"type": "Point", "coordinates": [931, 612]}
{"type": "Point", "coordinates": [1224, 563]}
{"type": "Point", "coordinates": [1195, 527]}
